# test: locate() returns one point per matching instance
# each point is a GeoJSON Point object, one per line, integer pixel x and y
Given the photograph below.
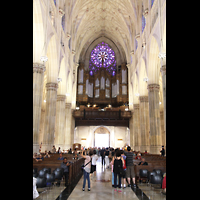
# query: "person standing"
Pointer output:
{"type": "Point", "coordinates": [162, 151]}
{"type": "Point", "coordinates": [87, 169]}
{"type": "Point", "coordinates": [65, 166]}
{"type": "Point", "coordinates": [103, 156]}
{"type": "Point", "coordinates": [117, 167]}
{"type": "Point", "coordinates": [94, 160]}
{"type": "Point", "coordinates": [129, 167]}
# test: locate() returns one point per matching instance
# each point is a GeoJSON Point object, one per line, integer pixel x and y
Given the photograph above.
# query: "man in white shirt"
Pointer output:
{"type": "Point", "coordinates": [94, 160]}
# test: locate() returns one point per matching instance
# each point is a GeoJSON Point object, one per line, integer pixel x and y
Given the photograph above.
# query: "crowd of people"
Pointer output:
{"type": "Point", "coordinates": [119, 160]}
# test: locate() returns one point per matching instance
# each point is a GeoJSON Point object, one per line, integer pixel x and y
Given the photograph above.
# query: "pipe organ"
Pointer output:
{"type": "Point", "coordinates": [102, 88]}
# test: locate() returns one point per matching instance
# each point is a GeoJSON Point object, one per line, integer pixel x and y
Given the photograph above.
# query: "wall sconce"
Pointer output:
{"type": "Point", "coordinates": [137, 94]}
{"type": "Point", "coordinates": [83, 139]}
{"type": "Point", "coordinates": [120, 139]}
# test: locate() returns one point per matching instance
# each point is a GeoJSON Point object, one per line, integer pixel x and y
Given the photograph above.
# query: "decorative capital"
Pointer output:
{"type": "Point", "coordinates": [128, 65]}
{"type": "Point", "coordinates": [68, 105]}
{"type": "Point", "coordinates": [61, 97]}
{"type": "Point", "coordinates": [163, 70]}
{"type": "Point", "coordinates": [132, 52]}
{"type": "Point", "coordinates": [137, 37]}
{"type": "Point", "coordinates": [153, 87]}
{"type": "Point", "coordinates": [73, 52]}
{"type": "Point", "coordinates": [52, 86]}
{"type": "Point", "coordinates": [136, 106]}
{"type": "Point", "coordinates": [161, 55]}
{"type": "Point", "coordinates": [61, 12]}
{"type": "Point", "coordinates": [38, 68]}
{"type": "Point", "coordinates": [143, 98]}
{"type": "Point", "coordinates": [68, 36]}
{"type": "Point", "coordinates": [145, 13]}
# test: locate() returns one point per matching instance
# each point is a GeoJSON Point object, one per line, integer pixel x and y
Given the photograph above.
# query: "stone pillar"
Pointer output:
{"type": "Point", "coordinates": [136, 127]}
{"type": "Point", "coordinates": [68, 119]}
{"type": "Point", "coordinates": [163, 138]}
{"type": "Point", "coordinates": [144, 123]}
{"type": "Point", "coordinates": [131, 121]}
{"type": "Point", "coordinates": [154, 118]}
{"type": "Point", "coordinates": [163, 71]}
{"type": "Point", "coordinates": [50, 116]}
{"type": "Point", "coordinates": [38, 77]}
{"type": "Point", "coordinates": [60, 122]}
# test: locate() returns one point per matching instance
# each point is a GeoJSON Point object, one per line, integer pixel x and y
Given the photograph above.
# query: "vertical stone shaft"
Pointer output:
{"type": "Point", "coordinates": [136, 126]}
{"type": "Point", "coordinates": [144, 123]}
{"type": "Point", "coordinates": [38, 77]}
{"type": "Point", "coordinates": [50, 115]}
{"type": "Point", "coordinates": [60, 122]}
{"type": "Point", "coordinates": [154, 118]}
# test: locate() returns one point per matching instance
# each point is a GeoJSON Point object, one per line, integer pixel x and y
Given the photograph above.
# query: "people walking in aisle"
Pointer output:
{"type": "Point", "coordinates": [106, 158]}
{"type": "Point", "coordinates": [124, 168]}
{"type": "Point", "coordinates": [129, 167]}
{"type": "Point", "coordinates": [102, 153]}
{"type": "Point", "coordinates": [87, 168]}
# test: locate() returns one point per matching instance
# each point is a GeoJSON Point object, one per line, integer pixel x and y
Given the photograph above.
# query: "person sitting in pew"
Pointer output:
{"type": "Point", "coordinates": [61, 157]}
{"type": "Point", "coordinates": [65, 165]}
{"type": "Point", "coordinates": [138, 156]}
{"type": "Point", "coordinates": [143, 162]}
{"type": "Point", "coordinates": [46, 155]}
{"type": "Point", "coordinates": [40, 158]}
{"type": "Point", "coordinates": [75, 157]}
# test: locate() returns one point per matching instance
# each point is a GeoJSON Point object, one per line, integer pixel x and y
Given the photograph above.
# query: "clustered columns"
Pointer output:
{"type": "Point", "coordinates": [38, 77]}
{"type": "Point", "coordinates": [136, 126]}
{"type": "Point", "coordinates": [50, 114]}
{"type": "Point", "coordinates": [60, 122]}
{"type": "Point", "coordinates": [154, 118]}
{"type": "Point", "coordinates": [163, 71]}
{"type": "Point", "coordinates": [144, 123]}
{"type": "Point", "coordinates": [68, 124]}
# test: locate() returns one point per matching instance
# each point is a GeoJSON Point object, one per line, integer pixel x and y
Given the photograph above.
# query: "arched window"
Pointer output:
{"type": "Point", "coordinates": [63, 22]}
{"type": "Point", "coordinates": [143, 23]}
{"type": "Point", "coordinates": [102, 56]}
{"type": "Point", "coordinates": [152, 1]}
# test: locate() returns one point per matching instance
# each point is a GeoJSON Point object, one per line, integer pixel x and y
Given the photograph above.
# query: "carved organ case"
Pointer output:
{"type": "Point", "coordinates": [103, 83]}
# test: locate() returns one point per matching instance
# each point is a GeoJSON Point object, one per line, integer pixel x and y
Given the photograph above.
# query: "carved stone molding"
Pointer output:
{"type": "Point", "coordinates": [143, 98]}
{"type": "Point", "coordinates": [52, 86]}
{"type": "Point", "coordinates": [153, 87]}
{"type": "Point", "coordinates": [145, 13]}
{"type": "Point", "coordinates": [136, 106]}
{"type": "Point", "coordinates": [163, 70]}
{"type": "Point", "coordinates": [61, 97]}
{"type": "Point", "coordinates": [68, 105]}
{"type": "Point", "coordinates": [137, 37]}
{"type": "Point", "coordinates": [38, 68]}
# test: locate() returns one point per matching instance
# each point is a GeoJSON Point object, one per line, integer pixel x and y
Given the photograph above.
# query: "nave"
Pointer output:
{"type": "Point", "coordinates": [101, 189]}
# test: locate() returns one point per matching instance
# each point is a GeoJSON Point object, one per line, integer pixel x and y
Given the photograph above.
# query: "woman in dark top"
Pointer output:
{"type": "Point", "coordinates": [118, 166]}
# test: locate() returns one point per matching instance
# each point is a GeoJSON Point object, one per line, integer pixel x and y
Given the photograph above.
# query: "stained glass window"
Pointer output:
{"type": "Point", "coordinates": [143, 23]}
{"type": "Point", "coordinates": [152, 1]}
{"type": "Point", "coordinates": [102, 56]}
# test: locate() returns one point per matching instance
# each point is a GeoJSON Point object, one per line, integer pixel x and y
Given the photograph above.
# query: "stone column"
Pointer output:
{"type": "Point", "coordinates": [60, 122]}
{"type": "Point", "coordinates": [136, 127]}
{"type": "Point", "coordinates": [38, 77]}
{"type": "Point", "coordinates": [144, 123]}
{"type": "Point", "coordinates": [50, 116]}
{"type": "Point", "coordinates": [68, 119]}
{"type": "Point", "coordinates": [154, 118]}
{"type": "Point", "coordinates": [163, 71]}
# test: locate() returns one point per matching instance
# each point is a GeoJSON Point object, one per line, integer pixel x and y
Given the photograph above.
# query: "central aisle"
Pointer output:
{"type": "Point", "coordinates": [101, 187]}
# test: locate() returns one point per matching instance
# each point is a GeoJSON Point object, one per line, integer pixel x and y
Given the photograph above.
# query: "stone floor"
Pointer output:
{"type": "Point", "coordinates": [101, 189]}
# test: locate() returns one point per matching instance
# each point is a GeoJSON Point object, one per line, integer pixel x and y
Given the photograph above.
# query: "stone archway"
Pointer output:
{"type": "Point", "coordinates": [102, 130]}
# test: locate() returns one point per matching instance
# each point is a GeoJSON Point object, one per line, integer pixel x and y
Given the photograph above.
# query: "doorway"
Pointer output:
{"type": "Point", "coordinates": [101, 137]}
{"type": "Point", "coordinates": [101, 140]}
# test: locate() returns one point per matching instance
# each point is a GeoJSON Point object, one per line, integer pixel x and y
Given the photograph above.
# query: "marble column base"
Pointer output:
{"type": "Point", "coordinates": [155, 149]}
{"type": "Point", "coordinates": [144, 147]}
{"type": "Point", "coordinates": [47, 147]}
